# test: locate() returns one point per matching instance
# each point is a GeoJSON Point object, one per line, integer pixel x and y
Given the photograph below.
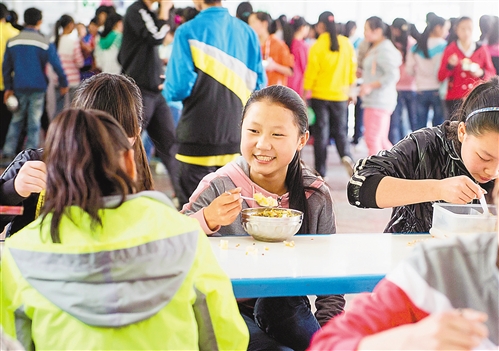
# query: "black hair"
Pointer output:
{"type": "Point", "coordinates": [452, 30]}
{"type": "Point", "coordinates": [265, 17]}
{"type": "Point", "coordinates": [290, 28]}
{"type": "Point", "coordinates": [62, 22]}
{"type": "Point", "coordinates": [429, 16]}
{"type": "Point", "coordinates": [375, 22]}
{"type": "Point", "coordinates": [485, 94]}
{"type": "Point", "coordinates": [111, 21]}
{"type": "Point", "coordinates": [244, 10]}
{"type": "Point", "coordinates": [494, 31]}
{"type": "Point", "coordinates": [4, 12]}
{"type": "Point", "coordinates": [484, 23]}
{"type": "Point", "coordinates": [422, 42]}
{"type": "Point", "coordinates": [189, 13]}
{"type": "Point", "coordinates": [402, 25]}
{"type": "Point", "coordinates": [327, 18]}
{"type": "Point", "coordinates": [32, 16]}
{"type": "Point", "coordinates": [348, 28]}
{"type": "Point", "coordinates": [291, 101]}
{"type": "Point", "coordinates": [209, 2]}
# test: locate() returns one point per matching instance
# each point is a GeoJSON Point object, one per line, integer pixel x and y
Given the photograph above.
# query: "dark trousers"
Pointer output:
{"type": "Point", "coordinates": [5, 117]}
{"type": "Point", "coordinates": [330, 120]}
{"type": "Point", "coordinates": [359, 119]}
{"type": "Point", "coordinates": [189, 178]}
{"type": "Point", "coordinates": [158, 122]}
{"type": "Point", "coordinates": [405, 99]}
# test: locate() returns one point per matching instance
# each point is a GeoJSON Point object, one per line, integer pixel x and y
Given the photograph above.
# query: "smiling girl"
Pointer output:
{"type": "Point", "coordinates": [454, 162]}
{"type": "Point", "coordinates": [274, 130]}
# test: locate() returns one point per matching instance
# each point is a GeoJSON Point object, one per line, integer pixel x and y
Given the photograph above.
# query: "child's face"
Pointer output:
{"type": "Point", "coordinates": [464, 31]}
{"type": "Point", "coordinates": [480, 154]}
{"type": "Point", "coordinates": [269, 140]}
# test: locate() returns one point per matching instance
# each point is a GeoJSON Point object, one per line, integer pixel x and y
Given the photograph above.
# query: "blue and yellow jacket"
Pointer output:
{"type": "Point", "coordinates": [146, 279]}
{"type": "Point", "coordinates": [214, 67]}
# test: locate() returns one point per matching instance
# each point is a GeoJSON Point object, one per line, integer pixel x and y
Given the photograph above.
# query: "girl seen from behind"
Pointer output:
{"type": "Point", "coordinates": [294, 36]}
{"type": "Point", "coordinates": [455, 162]}
{"type": "Point", "coordinates": [330, 73]}
{"type": "Point", "coordinates": [271, 165]}
{"type": "Point", "coordinates": [146, 263]}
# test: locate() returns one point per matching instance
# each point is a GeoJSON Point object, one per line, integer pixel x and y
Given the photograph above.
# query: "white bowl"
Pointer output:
{"type": "Point", "coordinates": [271, 229]}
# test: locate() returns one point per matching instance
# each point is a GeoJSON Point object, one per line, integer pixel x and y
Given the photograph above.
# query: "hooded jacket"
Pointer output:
{"type": "Point", "coordinates": [144, 279]}
{"type": "Point", "coordinates": [429, 153]}
{"type": "Point", "coordinates": [321, 218]}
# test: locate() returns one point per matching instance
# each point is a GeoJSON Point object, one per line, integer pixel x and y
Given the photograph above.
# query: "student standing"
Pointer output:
{"type": "Point", "coordinates": [330, 74]}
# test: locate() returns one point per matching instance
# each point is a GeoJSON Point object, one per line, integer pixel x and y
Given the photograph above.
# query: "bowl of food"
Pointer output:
{"type": "Point", "coordinates": [271, 224]}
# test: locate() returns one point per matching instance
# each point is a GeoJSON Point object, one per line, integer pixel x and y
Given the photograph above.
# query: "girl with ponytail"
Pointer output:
{"type": "Point", "coordinates": [69, 51]}
{"type": "Point", "coordinates": [277, 60]}
{"type": "Point", "coordinates": [295, 33]}
{"type": "Point", "coordinates": [274, 131]}
{"type": "Point", "coordinates": [329, 77]}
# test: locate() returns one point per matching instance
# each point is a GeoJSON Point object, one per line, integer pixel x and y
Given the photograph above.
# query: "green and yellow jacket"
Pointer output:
{"type": "Point", "coordinates": [144, 279]}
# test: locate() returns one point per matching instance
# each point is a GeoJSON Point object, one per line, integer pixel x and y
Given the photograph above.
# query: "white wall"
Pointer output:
{"type": "Point", "coordinates": [359, 10]}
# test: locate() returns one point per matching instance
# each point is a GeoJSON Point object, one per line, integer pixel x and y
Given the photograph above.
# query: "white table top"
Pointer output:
{"type": "Point", "coordinates": [316, 265]}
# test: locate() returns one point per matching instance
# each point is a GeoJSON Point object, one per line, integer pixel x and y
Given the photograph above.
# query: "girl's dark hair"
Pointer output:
{"type": "Point", "coordinates": [375, 22]}
{"type": "Point", "coordinates": [483, 95]}
{"type": "Point", "coordinates": [265, 17]}
{"type": "Point", "coordinates": [494, 31]}
{"type": "Point", "coordinates": [62, 22]}
{"type": "Point", "coordinates": [348, 28]}
{"type": "Point", "coordinates": [119, 96]}
{"type": "Point", "coordinates": [289, 29]}
{"type": "Point", "coordinates": [289, 99]}
{"type": "Point", "coordinates": [82, 156]}
{"type": "Point", "coordinates": [484, 23]}
{"type": "Point", "coordinates": [400, 41]}
{"type": "Point", "coordinates": [244, 10]}
{"type": "Point", "coordinates": [111, 21]}
{"type": "Point", "coordinates": [452, 30]}
{"type": "Point", "coordinates": [328, 19]}
{"type": "Point", "coordinates": [422, 43]}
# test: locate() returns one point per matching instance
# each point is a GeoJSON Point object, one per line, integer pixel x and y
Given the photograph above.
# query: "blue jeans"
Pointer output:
{"type": "Point", "coordinates": [405, 99]}
{"type": "Point", "coordinates": [281, 323]}
{"type": "Point", "coordinates": [425, 100]}
{"type": "Point", "coordinates": [30, 104]}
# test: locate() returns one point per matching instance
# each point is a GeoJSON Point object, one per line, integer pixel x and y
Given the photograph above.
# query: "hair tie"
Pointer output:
{"type": "Point", "coordinates": [178, 19]}
{"type": "Point", "coordinates": [330, 18]}
{"type": "Point", "coordinates": [485, 109]}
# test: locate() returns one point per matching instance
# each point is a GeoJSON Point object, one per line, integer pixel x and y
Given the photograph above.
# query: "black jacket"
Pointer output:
{"type": "Point", "coordinates": [138, 56]}
{"type": "Point", "coordinates": [429, 153]}
{"type": "Point", "coordinates": [9, 197]}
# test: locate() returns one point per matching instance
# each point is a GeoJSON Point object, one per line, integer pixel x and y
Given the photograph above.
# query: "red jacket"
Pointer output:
{"type": "Point", "coordinates": [461, 82]}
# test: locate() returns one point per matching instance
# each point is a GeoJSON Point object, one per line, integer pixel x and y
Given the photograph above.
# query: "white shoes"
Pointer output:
{"type": "Point", "coordinates": [348, 164]}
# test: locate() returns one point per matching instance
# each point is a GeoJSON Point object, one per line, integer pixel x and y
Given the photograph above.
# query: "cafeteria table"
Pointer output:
{"type": "Point", "coordinates": [314, 265]}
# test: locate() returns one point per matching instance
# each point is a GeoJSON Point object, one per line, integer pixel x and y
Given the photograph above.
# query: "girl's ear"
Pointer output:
{"type": "Point", "coordinates": [129, 163]}
{"type": "Point", "coordinates": [302, 141]}
{"type": "Point", "coordinates": [461, 131]}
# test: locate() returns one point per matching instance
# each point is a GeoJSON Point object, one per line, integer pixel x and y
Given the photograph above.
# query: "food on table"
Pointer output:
{"type": "Point", "coordinates": [224, 244]}
{"type": "Point", "coordinates": [265, 201]}
{"type": "Point", "coordinates": [289, 243]}
{"type": "Point", "coordinates": [275, 213]}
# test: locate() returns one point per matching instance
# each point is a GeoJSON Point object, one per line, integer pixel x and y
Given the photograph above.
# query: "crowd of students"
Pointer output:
{"type": "Point", "coordinates": [99, 260]}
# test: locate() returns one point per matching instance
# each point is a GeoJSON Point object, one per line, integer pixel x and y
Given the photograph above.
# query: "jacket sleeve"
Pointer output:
{"type": "Point", "coordinates": [387, 307]}
{"type": "Point", "coordinates": [180, 73]}
{"type": "Point", "coordinates": [388, 63]}
{"type": "Point", "coordinates": [220, 324]}
{"type": "Point", "coordinates": [445, 70]}
{"type": "Point", "coordinates": [78, 56]}
{"type": "Point", "coordinates": [487, 66]}
{"type": "Point", "coordinates": [57, 66]}
{"type": "Point", "coordinates": [353, 66]}
{"type": "Point", "coordinates": [399, 162]}
{"type": "Point", "coordinates": [147, 27]}
{"type": "Point", "coordinates": [410, 62]}
{"type": "Point", "coordinates": [7, 69]}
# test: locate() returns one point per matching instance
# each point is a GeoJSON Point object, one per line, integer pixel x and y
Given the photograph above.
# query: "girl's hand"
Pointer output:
{"type": "Point", "coordinates": [459, 190]}
{"type": "Point", "coordinates": [451, 330]}
{"type": "Point", "coordinates": [271, 65]}
{"type": "Point", "coordinates": [224, 209]}
{"type": "Point", "coordinates": [453, 60]}
{"type": "Point", "coordinates": [32, 178]}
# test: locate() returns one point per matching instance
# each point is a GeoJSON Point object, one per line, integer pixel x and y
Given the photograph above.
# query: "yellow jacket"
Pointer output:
{"type": "Point", "coordinates": [146, 279]}
{"type": "Point", "coordinates": [6, 32]}
{"type": "Point", "coordinates": [329, 74]}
